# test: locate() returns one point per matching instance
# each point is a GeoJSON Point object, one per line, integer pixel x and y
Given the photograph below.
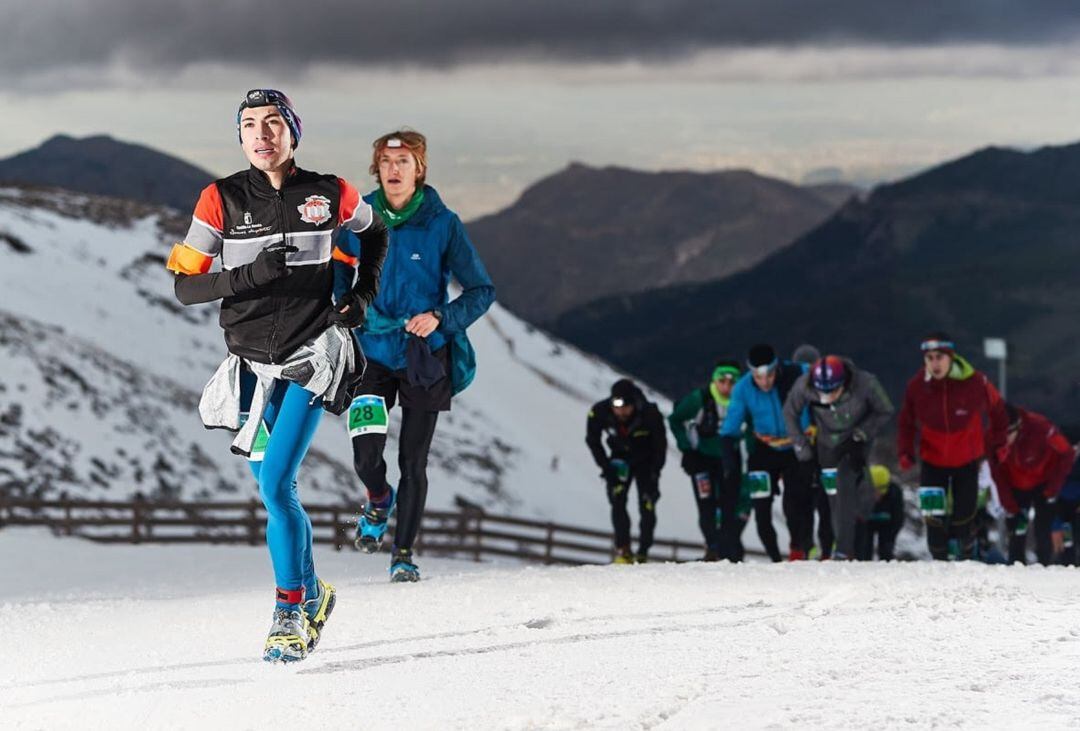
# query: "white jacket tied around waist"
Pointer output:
{"type": "Point", "coordinates": [321, 366]}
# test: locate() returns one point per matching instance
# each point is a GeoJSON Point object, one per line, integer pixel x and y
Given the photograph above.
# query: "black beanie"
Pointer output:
{"type": "Point", "coordinates": [624, 389]}
{"type": "Point", "coordinates": [761, 355]}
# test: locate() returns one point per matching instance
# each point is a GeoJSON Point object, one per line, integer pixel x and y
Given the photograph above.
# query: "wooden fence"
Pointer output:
{"type": "Point", "coordinates": [469, 533]}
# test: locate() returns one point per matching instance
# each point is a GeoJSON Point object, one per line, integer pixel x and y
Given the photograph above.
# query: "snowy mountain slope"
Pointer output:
{"type": "Point", "coordinates": [119, 637]}
{"type": "Point", "coordinates": [101, 369]}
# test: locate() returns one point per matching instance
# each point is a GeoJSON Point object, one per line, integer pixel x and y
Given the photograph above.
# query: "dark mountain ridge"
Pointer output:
{"type": "Point", "coordinates": [982, 246]}
{"type": "Point", "coordinates": [102, 165]}
{"type": "Point", "coordinates": [587, 232]}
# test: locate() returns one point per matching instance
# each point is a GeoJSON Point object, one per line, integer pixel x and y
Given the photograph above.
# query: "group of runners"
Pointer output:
{"type": "Point", "coordinates": [333, 301]}
{"type": "Point", "coordinates": [803, 429]}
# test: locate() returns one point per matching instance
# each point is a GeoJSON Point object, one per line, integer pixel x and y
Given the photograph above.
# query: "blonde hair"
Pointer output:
{"type": "Point", "coordinates": [412, 141]}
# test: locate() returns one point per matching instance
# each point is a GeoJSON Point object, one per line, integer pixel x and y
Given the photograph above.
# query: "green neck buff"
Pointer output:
{"type": "Point", "coordinates": [722, 400]}
{"type": "Point", "coordinates": [394, 218]}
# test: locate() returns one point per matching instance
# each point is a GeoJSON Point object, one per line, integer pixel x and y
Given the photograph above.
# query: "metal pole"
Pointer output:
{"type": "Point", "coordinates": [1001, 378]}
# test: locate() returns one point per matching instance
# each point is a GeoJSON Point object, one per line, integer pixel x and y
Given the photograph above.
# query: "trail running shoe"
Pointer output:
{"type": "Point", "coordinates": [371, 527]}
{"type": "Point", "coordinates": [318, 610]}
{"type": "Point", "coordinates": [402, 568]}
{"type": "Point", "coordinates": [288, 638]}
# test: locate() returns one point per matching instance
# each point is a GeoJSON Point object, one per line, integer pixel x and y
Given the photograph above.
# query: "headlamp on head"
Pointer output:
{"type": "Point", "coordinates": [618, 403]}
{"type": "Point", "coordinates": [394, 142]}
{"type": "Point", "coordinates": [764, 370]}
{"type": "Point", "coordinates": [275, 98]}
{"type": "Point", "coordinates": [945, 345]}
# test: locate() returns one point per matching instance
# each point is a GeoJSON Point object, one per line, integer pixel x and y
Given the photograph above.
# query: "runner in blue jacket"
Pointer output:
{"type": "Point", "coordinates": [413, 337]}
{"type": "Point", "coordinates": [757, 404]}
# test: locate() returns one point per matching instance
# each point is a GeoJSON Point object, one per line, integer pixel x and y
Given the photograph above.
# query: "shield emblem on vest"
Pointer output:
{"type": "Point", "coordinates": [315, 209]}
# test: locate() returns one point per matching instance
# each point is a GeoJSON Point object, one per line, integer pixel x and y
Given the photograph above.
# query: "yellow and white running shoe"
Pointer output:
{"type": "Point", "coordinates": [318, 610]}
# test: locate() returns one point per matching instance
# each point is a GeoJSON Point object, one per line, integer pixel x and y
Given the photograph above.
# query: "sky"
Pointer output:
{"type": "Point", "coordinates": [509, 92]}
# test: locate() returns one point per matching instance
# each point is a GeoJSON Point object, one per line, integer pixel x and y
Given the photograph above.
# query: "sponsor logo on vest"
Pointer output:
{"type": "Point", "coordinates": [415, 257]}
{"type": "Point", "coordinates": [315, 209]}
{"type": "Point", "coordinates": [249, 227]}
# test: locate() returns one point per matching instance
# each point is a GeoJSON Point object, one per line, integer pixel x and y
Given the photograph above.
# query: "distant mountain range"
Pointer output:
{"type": "Point", "coordinates": [987, 245]}
{"type": "Point", "coordinates": [572, 238]}
{"type": "Point", "coordinates": [104, 166]}
{"type": "Point", "coordinates": [586, 233]}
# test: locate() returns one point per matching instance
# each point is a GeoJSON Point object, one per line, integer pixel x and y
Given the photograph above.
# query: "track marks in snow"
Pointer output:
{"type": "Point", "coordinates": [368, 663]}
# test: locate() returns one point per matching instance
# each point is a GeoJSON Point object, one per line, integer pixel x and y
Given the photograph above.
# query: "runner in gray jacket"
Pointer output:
{"type": "Point", "coordinates": [848, 407]}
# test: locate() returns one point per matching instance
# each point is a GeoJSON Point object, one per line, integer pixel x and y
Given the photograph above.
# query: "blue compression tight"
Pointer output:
{"type": "Point", "coordinates": [291, 420]}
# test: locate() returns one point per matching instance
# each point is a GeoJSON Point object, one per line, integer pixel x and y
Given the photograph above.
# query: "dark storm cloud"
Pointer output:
{"type": "Point", "coordinates": [45, 36]}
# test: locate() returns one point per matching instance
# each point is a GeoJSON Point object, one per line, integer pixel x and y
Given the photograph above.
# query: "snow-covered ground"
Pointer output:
{"type": "Point", "coordinates": [125, 637]}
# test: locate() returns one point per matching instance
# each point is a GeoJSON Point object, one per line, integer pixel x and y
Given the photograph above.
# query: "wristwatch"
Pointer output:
{"type": "Point", "coordinates": [437, 314]}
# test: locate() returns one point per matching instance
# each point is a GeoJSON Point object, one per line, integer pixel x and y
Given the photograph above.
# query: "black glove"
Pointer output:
{"type": "Point", "coordinates": [854, 449]}
{"type": "Point", "coordinates": [354, 316]}
{"type": "Point", "coordinates": [268, 266]}
{"type": "Point", "coordinates": [610, 474]}
{"type": "Point", "coordinates": [691, 462]}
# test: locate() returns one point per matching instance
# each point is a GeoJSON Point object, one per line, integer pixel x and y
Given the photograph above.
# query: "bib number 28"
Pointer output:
{"type": "Point", "coordinates": [367, 415]}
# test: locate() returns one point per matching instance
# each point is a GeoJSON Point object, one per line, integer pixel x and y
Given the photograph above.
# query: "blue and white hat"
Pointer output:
{"type": "Point", "coordinates": [272, 97]}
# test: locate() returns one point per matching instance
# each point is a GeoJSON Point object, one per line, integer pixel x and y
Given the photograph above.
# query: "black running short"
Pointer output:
{"type": "Point", "coordinates": [394, 386]}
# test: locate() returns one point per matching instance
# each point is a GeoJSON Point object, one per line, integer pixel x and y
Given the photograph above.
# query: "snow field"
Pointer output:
{"type": "Point", "coordinates": [169, 637]}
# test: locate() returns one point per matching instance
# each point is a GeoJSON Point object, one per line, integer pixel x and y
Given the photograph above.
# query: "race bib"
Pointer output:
{"type": "Point", "coordinates": [622, 469]}
{"type": "Point", "coordinates": [367, 415]}
{"type": "Point", "coordinates": [262, 438]}
{"type": "Point", "coordinates": [703, 485]}
{"type": "Point", "coordinates": [932, 501]}
{"type": "Point", "coordinates": [828, 480]}
{"type": "Point", "coordinates": [1022, 524]}
{"type": "Point", "coordinates": [760, 485]}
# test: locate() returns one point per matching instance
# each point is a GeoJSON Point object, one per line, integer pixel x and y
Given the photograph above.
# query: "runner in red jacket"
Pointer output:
{"type": "Point", "coordinates": [1038, 460]}
{"type": "Point", "coordinates": [959, 416]}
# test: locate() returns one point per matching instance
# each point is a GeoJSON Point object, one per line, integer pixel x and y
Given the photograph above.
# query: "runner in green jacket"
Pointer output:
{"type": "Point", "coordinates": [695, 422]}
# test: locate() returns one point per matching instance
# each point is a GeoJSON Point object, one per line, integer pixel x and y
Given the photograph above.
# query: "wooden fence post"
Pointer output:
{"type": "Point", "coordinates": [548, 547]}
{"type": "Point", "coordinates": [253, 522]}
{"type": "Point", "coordinates": [136, 517]}
{"type": "Point", "coordinates": [462, 524]}
{"type": "Point", "coordinates": [338, 528]}
{"type": "Point", "coordinates": [478, 553]}
{"type": "Point", "coordinates": [65, 501]}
